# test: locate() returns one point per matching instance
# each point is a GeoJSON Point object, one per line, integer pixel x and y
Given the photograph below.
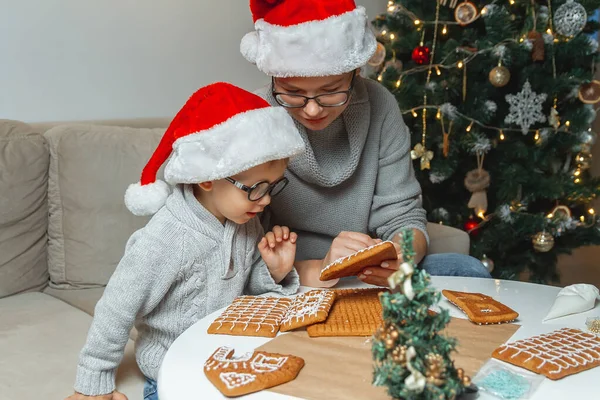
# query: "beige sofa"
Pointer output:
{"type": "Point", "coordinates": [63, 228]}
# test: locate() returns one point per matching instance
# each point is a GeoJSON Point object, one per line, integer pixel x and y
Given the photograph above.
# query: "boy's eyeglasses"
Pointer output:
{"type": "Point", "coordinates": [261, 189]}
{"type": "Point", "coordinates": [333, 99]}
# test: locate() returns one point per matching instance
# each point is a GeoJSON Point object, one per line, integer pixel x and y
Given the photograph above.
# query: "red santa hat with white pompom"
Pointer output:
{"type": "Point", "coordinates": [308, 37]}
{"type": "Point", "coordinates": [221, 131]}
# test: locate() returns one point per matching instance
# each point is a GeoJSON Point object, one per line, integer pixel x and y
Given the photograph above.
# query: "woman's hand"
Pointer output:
{"type": "Point", "coordinates": [378, 276]}
{"type": "Point", "coordinates": [347, 243]}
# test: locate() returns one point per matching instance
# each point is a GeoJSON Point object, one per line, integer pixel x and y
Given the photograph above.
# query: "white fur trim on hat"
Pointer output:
{"type": "Point", "coordinates": [249, 46]}
{"type": "Point", "coordinates": [332, 46]}
{"type": "Point", "coordinates": [238, 144]}
{"type": "Point", "coordinates": [146, 199]}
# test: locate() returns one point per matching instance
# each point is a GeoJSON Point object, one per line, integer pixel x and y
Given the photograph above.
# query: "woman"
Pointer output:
{"type": "Point", "coordinates": [355, 179]}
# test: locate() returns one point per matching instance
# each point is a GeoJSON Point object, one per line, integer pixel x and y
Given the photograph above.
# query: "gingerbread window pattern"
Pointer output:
{"type": "Point", "coordinates": [559, 350]}
{"type": "Point", "coordinates": [254, 312]}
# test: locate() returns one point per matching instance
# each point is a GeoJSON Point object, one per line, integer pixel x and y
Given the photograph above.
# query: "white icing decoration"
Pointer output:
{"type": "Point", "coordinates": [220, 359]}
{"type": "Point", "coordinates": [262, 363]}
{"type": "Point", "coordinates": [344, 259]}
{"type": "Point", "coordinates": [561, 349]}
{"type": "Point", "coordinates": [307, 304]}
{"type": "Point", "coordinates": [234, 379]}
{"type": "Point", "coordinates": [255, 310]}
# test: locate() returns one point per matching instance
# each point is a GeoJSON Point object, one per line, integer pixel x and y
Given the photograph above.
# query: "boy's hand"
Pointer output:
{"type": "Point", "coordinates": [111, 396]}
{"type": "Point", "coordinates": [278, 249]}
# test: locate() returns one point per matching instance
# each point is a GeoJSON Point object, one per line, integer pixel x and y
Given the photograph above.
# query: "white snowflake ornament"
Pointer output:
{"type": "Point", "coordinates": [525, 108]}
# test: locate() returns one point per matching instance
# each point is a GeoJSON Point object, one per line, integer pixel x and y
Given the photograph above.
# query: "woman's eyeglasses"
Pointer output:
{"type": "Point", "coordinates": [261, 189]}
{"type": "Point", "coordinates": [333, 99]}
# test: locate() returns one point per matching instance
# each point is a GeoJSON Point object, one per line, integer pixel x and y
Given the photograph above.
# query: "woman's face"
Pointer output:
{"type": "Point", "coordinates": [313, 115]}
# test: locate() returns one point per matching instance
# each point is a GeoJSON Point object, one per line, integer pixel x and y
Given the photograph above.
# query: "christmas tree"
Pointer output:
{"type": "Point", "coordinates": [411, 358]}
{"type": "Point", "coordinates": [499, 98]}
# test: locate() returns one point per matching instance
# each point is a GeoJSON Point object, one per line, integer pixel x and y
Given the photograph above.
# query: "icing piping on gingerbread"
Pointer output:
{"type": "Point", "coordinates": [308, 304]}
{"type": "Point", "coordinates": [262, 363]}
{"type": "Point", "coordinates": [235, 379]}
{"type": "Point", "coordinates": [564, 348]}
{"type": "Point", "coordinates": [247, 310]}
{"type": "Point", "coordinates": [344, 259]}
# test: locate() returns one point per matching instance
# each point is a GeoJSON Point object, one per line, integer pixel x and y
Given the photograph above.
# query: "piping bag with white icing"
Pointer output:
{"type": "Point", "coordinates": [573, 299]}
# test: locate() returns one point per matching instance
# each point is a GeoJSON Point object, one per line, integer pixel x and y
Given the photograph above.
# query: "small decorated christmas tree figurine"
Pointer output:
{"type": "Point", "coordinates": [411, 357]}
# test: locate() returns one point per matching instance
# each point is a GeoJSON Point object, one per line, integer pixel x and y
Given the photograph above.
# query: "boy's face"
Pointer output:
{"type": "Point", "coordinates": [230, 202]}
{"type": "Point", "coordinates": [313, 116]}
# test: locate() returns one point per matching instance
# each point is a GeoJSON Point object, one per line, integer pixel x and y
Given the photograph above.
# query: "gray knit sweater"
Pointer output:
{"type": "Point", "coordinates": [355, 175]}
{"type": "Point", "coordinates": [183, 265]}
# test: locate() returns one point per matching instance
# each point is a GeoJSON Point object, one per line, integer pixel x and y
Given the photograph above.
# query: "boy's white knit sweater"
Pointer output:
{"type": "Point", "coordinates": [183, 265]}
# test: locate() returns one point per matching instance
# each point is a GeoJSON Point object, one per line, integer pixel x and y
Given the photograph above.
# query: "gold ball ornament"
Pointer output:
{"type": "Point", "coordinates": [378, 57]}
{"type": "Point", "coordinates": [399, 355]}
{"type": "Point", "coordinates": [589, 93]}
{"type": "Point", "coordinates": [583, 160]}
{"type": "Point", "coordinates": [461, 373]}
{"type": "Point", "coordinates": [389, 343]}
{"type": "Point", "coordinates": [394, 335]}
{"type": "Point", "coordinates": [465, 13]}
{"type": "Point", "coordinates": [435, 369]}
{"type": "Point", "coordinates": [499, 76]}
{"type": "Point", "coordinates": [543, 242]}
{"type": "Point", "coordinates": [466, 381]}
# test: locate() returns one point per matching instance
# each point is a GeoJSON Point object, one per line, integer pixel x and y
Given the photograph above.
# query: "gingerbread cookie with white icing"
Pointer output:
{"type": "Point", "coordinates": [481, 309]}
{"type": "Point", "coordinates": [308, 308]}
{"type": "Point", "coordinates": [252, 316]}
{"type": "Point", "coordinates": [555, 355]}
{"type": "Point", "coordinates": [353, 264]}
{"type": "Point", "coordinates": [252, 372]}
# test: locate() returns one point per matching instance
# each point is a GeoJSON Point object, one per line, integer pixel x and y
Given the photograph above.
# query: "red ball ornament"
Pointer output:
{"type": "Point", "coordinates": [420, 55]}
{"type": "Point", "coordinates": [471, 226]}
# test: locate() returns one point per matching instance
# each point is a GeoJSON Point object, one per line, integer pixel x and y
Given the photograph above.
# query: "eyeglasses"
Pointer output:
{"type": "Point", "coordinates": [261, 189]}
{"type": "Point", "coordinates": [333, 99]}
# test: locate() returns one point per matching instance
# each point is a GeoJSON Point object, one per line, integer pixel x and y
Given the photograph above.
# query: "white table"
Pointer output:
{"type": "Point", "coordinates": [182, 376]}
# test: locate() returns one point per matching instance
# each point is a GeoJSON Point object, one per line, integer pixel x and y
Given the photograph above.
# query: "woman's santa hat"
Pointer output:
{"type": "Point", "coordinates": [308, 37]}
{"type": "Point", "coordinates": [221, 131]}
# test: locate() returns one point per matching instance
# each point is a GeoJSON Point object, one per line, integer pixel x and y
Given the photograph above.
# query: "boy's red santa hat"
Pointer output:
{"type": "Point", "coordinates": [308, 37]}
{"type": "Point", "coordinates": [221, 131]}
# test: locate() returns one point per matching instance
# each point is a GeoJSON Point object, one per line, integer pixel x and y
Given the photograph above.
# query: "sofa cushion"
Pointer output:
{"type": "Point", "coordinates": [446, 239]}
{"type": "Point", "coordinates": [41, 338]}
{"type": "Point", "coordinates": [90, 169]}
{"type": "Point", "coordinates": [24, 162]}
{"type": "Point", "coordinates": [83, 299]}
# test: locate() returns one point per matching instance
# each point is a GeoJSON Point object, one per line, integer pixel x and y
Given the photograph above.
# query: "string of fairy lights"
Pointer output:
{"type": "Point", "coordinates": [461, 64]}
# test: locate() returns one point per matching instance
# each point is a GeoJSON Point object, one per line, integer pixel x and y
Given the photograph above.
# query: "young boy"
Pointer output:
{"type": "Point", "coordinates": [204, 246]}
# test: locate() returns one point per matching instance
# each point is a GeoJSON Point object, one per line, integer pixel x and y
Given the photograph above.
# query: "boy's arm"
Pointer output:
{"type": "Point", "coordinates": [138, 284]}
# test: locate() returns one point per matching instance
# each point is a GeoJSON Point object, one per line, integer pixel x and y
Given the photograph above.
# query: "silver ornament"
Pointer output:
{"type": "Point", "coordinates": [487, 263]}
{"type": "Point", "coordinates": [525, 108]}
{"type": "Point", "coordinates": [570, 18]}
{"type": "Point", "coordinates": [588, 137]}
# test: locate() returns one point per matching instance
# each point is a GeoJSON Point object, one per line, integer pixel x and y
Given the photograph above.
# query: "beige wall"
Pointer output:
{"type": "Point", "coordinates": [89, 60]}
